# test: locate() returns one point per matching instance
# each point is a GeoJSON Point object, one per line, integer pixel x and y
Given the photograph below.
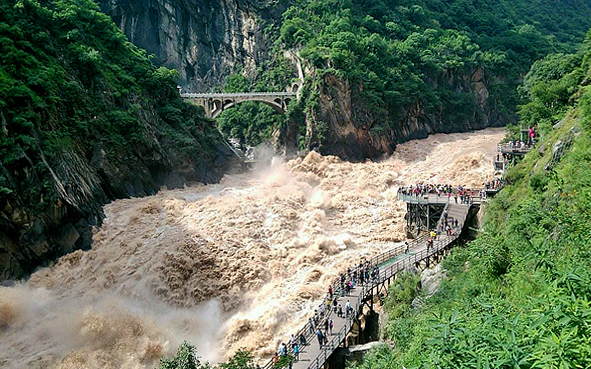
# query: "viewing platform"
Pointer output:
{"type": "Point", "coordinates": [433, 198]}
{"type": "Point", "coordinates": [509, 148]}
{"type": "Point", "coordinates": [423, 212]}
{"type": "Point", "coordinates": [421, 254]}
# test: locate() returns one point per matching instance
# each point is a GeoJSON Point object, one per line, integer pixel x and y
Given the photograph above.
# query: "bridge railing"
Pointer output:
{"type": "Point", "coordinates": [375, 261]}
{"type": "Point", "coordinates": [387, 273]}
{"type": "Point", "coordinates": [234, 95]}
{"type": "Point", "coordinates": [433, 198]}
{"type": "Point", "coordinates": [510, 148]}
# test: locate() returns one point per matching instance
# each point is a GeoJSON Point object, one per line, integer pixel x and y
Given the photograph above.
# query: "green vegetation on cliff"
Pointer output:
{"type": "Point", "coordinates": [404, 52]}
{"type": "Point", "coordinates": [186, 358]}
{"type": "Point", "coordinates": [431, 59]}
{"type": "Point", "coordinates": [84, 116]}
{"type": "Point", "coordinates": [519, 295]}
{"type": "Point", "coordinates": [253, 123]}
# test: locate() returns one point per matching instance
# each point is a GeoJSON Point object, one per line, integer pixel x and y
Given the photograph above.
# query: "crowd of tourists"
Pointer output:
{"type": "Point", "coordinates": [518, 145]}
{"type": "Point", "coordinates": [494, 185]}
{"type": "Point", "coordinates": [321, 323]}
{"type": "Point", "coordinates": [532, 133]}
{"type": "Point", "coordinates": [460, 195]}
{"type": "Point", "coordinates": [448, 224]}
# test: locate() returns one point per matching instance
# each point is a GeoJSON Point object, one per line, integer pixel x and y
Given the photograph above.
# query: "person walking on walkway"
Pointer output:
{"type": "Point", "coordinates": [331, 325]}
{"type": "Point", "coordinates": [319, 336]}
{"type": "Point", "coordinates": [406, 247]}
{"type": "Point", "coordinates": [296, 352]}
{"type": "Point", "coordinates": [303, 342]}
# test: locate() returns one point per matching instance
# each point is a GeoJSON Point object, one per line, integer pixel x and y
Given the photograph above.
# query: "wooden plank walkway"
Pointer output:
{"type": "Point", "coordinates": [313, 356]}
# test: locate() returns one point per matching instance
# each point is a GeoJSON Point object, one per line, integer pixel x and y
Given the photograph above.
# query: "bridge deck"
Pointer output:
{"type": "Point", "coordinates": [192, 95]}
{"type": "Point", "coordinates": [312, 356]}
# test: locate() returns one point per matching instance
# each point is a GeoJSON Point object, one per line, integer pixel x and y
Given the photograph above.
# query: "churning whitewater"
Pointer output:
{"type": "Point", "coordinates": [236, 264]}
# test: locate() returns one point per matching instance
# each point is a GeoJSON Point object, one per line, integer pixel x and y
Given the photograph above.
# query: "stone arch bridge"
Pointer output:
{"type": "Point", "coordinates": [215, 103]}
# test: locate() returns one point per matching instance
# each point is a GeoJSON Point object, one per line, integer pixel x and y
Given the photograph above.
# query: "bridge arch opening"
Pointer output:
{"type": "Point", "coordinates": [278, 105]}
{"type": "Point", "coordinates": [248, 124]}
{"type": "Point", "coordinates": [248, 118]}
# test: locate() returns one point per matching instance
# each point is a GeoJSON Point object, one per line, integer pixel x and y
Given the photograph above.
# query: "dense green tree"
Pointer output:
{"type": "Point", "coordinates": [242, 359]}
{"type": "Point", "coordinates": [518, 295]}
{"type": "Point", "coordinates": [406, 51]}
{"type": "Point", "coordinates": [184, 358]}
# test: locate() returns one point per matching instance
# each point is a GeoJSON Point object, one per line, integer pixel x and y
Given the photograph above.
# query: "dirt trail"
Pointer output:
{"type": "Point", "coordinates": [236, 264]}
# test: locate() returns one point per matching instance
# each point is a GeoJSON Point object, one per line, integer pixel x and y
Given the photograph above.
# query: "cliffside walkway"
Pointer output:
{"type": "Point", "coordinates": [391, 264]}
{"type": "Point", "coordinates": [508, 148]}
{"type": "Point", "coordinates": [215, 103]}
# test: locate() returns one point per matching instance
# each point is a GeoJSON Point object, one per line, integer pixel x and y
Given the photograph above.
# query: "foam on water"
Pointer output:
{"type": "Point", "coordinates": [231, 265]}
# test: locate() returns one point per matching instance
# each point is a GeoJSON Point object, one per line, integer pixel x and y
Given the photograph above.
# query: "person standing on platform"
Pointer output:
{"type": "Point", "coordinates": [296, 352]}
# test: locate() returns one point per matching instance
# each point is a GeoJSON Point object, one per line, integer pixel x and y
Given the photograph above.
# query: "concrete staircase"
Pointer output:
{"type": "Point", "coordinates": [454, 211]}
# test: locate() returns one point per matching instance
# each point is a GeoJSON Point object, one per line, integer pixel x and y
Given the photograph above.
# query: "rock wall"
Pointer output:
{"type": "Point", "coordinates": [205, 40]}
{"type": "Point", "coordinates": [34, 229]}
{"type": "Point", "coordinates": [209, 39]}
{"type": "Point", "coordinates": [350, 123]}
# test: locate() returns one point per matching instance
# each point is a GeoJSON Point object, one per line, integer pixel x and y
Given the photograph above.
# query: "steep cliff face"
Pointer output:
{"type": "Point", "coordinates": [36, 228]}
{"type": "Point", "coordinates": [84, 118]}
{"type": "Point", "coordinates": [349, 125]}
{"type": "Point", "coordinates": [205, 40]}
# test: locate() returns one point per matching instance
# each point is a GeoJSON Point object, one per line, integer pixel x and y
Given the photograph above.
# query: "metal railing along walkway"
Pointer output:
{"type": "Point", "coordinates": [433, 198]}
{"type": "Point", "coordinates": [375, 261]}
{"type": "Point", "coordinates": [508, 148]}
{"type": "Point", "coordinates": [366, 291]}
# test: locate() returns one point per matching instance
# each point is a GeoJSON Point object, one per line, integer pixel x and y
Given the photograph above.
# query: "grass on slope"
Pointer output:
{"type": "Point", "coordinates": [519, 296]}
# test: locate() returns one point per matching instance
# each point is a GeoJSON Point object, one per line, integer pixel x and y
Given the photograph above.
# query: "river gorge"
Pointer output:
{"type": "Point", "coordinates": [236, 264]}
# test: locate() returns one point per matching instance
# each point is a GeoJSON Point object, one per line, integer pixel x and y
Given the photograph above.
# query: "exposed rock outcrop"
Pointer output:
{"type": "Point", "coordinates": [431, 280]}
{"type": "Point", "coordinates": [204, 40]}
{"type": "Point", "coordinates": [32, 235]}
{"type": "Point", "coordinates": [354, 130]}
